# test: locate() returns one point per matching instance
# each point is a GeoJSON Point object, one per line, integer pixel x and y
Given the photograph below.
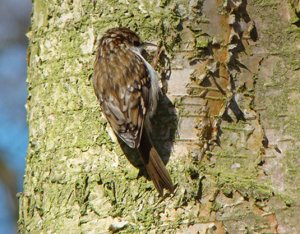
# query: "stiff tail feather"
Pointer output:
{"type": "Point", "coordinates": [154, 165]}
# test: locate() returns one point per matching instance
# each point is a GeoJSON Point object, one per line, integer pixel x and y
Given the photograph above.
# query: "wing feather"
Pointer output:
{"type": "Point", "coordinates": [122, 83]}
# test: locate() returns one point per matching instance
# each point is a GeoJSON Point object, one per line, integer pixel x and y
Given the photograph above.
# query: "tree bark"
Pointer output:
{"type": "Point", "coordinates": [227, 124]}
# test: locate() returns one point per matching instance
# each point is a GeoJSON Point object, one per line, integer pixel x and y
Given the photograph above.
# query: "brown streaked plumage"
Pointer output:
{"type": "Point", "coordinates": [127, 89]}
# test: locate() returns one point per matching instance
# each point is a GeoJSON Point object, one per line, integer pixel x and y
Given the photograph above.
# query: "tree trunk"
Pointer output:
{"type": "Point", "coordinates": [227, 125]}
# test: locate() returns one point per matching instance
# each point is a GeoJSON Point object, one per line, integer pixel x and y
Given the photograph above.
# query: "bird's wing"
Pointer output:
{"type": "Point", "coordinates": [122, 84]}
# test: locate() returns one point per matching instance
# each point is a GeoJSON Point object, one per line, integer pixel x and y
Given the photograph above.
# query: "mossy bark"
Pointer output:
{"type": "Point", "coordinates": [228, 122]}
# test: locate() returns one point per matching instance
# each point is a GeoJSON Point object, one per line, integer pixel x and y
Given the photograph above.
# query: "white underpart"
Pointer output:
{"type": "Point", "coordinates": [155, 89]}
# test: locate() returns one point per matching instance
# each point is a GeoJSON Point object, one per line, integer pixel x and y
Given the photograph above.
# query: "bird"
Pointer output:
{"type": "Point", "coordinates": [127, 89]}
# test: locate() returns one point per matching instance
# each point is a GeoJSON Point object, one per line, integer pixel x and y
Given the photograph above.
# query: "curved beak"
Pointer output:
{"type": "Point", "coordinates": [146, 43]}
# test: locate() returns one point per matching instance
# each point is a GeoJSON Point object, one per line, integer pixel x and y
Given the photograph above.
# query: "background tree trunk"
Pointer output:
{"type": "Point", "coordinates": [230, 114]}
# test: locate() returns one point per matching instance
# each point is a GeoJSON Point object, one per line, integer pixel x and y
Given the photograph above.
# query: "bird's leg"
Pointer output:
{"type": "Point", "coordinates": [162, 59]}
{"type": "Point", "coordinates": [156, 57]}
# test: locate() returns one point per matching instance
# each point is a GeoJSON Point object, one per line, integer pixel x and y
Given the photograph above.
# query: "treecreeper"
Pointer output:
{"type": "Point", "coordinates": [127, 88]}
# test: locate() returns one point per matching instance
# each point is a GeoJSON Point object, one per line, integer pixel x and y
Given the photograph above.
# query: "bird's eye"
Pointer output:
{"type": "Point", "coordinates": [136, 43]}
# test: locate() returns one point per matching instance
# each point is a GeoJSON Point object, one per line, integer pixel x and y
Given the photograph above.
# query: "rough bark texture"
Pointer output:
{"type": "Point", "coordinates": [228, 124]}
